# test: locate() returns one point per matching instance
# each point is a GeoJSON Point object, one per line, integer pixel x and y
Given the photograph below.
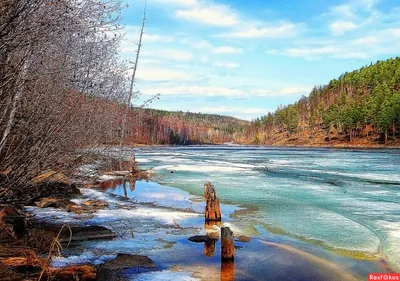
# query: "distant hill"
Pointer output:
{"type": "Point", "coordinates": [361, 107]}
{"type": "Point", "coordinates": [152, 126]}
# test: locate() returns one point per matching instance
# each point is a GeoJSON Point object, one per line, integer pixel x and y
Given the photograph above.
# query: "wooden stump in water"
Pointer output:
{"type": "Point", "coordinates": [133, 163]}
{"type": "Point", "coordinates": [227, 244]}
{"type": "Point", "coordinates": [213, 211]}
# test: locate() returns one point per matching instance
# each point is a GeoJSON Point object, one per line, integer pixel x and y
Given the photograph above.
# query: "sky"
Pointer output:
{"type": "Point", "coordinates": [244, 58]}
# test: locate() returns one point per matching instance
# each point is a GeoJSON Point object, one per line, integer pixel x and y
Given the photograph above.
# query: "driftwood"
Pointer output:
{"type": "Point", "coordinates": [212, 211]}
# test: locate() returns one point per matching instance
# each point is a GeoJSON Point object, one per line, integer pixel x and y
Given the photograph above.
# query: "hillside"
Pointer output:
{"type": "Point", "coordinates": [360, 108]}
{"type": "Point", "coordinates": [152, 126]}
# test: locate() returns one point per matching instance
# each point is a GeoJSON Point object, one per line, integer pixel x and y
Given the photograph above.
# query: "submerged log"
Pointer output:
{"type": "Point", "coordinates": [212, 211]}
{"type": "Point", "coordinates": [228, 270]}
{"type": "Point", "coordinates": [227, 244]}
{"type": "Point", "coordinates": [79, 233]}
{"type": "Point", "coordinates": [202, 239]}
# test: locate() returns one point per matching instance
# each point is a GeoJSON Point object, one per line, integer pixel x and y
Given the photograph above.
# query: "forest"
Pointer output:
{"type": "Point", "coordinates": [184, 128]}
{"type": "Point", "coordinates": [364, 103]}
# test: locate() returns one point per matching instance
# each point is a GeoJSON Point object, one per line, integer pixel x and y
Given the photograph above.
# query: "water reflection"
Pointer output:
{"type": "Point", "coordinates": [227, 270]}
{"type": "Point", "coordinates": [132, 184]}
{"type": "Point", "coordinates": [110, 184]}
{"type": "Point", "coordinates": [209, 248]}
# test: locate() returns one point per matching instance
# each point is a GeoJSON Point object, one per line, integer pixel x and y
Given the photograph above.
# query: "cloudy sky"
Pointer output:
{"type": "Point", "coordinates": [246, 57]}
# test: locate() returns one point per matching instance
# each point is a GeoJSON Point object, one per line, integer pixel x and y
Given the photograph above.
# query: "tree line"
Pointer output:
{"type": "Point", "coordinates": [152, 126]}
{"type": "Point", "coordinates": [360, 103]}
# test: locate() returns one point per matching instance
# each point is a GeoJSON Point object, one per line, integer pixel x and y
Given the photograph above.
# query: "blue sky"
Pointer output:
{"type": "Point", "coordinates": [244, 58]}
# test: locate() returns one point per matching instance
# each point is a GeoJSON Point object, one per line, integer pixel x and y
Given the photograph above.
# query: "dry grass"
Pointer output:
{"type": "Point", "coordinates": [20, 257]}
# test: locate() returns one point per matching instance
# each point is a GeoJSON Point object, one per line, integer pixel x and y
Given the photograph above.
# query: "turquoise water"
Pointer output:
{"type": "Point", "coordinates": [312, 214]}
{"type": "Point", "coordinates": [346, 201]}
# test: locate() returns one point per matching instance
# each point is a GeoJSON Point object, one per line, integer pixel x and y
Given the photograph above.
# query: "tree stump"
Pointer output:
{"type": "Point", "coordinates": [213, 211]}
{"type": "Point", "coordinates": [133, 163]}
{"type": "Point", "coordinates": [227, 244]}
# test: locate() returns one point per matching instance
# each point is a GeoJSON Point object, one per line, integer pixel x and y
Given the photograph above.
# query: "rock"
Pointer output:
{"type": "Point", "coordinates": [75, 208]}
{"type": "Point", "coordinates": [123, 261]}
{"type": "Point", "coordinates": [212, 210]}
{"type": "Point", "coordinates": [27, 195]}
{"type": "Point", "coordinates": [96, 204]}
{"type": "Point", "coordinates": [80, 233]}
{"type": "Point", "coordinates": [202, 239]}
{"type": "Point", "coordinates": [244, 239]}
{"type": "Point", "coordinates": [13, 223]}
{"type": "Point", "coordinates": [227, 244]}
{"type": "Point", "coordinates": [110, 270]}
{"type": "Point", "coordinates": [51, 202]}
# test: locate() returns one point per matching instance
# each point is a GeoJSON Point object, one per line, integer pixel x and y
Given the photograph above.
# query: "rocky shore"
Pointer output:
{"type": "Point", "coordinates": [27, 246]}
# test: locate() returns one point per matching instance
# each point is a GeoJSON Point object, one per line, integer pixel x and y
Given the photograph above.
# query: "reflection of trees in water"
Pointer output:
{"type": "Point", "coordinates": [132, 184]}
{"type": "Point", "coordinates": [110, 184]}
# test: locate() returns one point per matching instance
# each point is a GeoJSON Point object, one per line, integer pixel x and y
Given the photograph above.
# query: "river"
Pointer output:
{"type": "Point", "coordinates": [312, 213]}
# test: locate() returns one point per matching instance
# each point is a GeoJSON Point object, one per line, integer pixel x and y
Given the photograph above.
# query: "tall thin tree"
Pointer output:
{"type": "Point", "coordinates": [130, 94]}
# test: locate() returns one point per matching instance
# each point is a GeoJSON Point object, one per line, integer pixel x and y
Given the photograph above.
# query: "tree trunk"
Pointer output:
{"type": "Point", "coordinates": [212, 211]}
{"type": "Point", "coordinates": [131, 89]}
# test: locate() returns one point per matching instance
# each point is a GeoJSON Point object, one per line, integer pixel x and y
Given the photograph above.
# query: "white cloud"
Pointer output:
{"type": "Point", "coordinates": [235, 110]}
{"type": "Point", "coordinates": [340, 27]}
{"type": "Point", "coordinates": [287, 91]}
{"type": "Point", "coordinates": [194, 90]}
{"type": "Point", "coordinates": [382, 42]}
{"type": "Point", "coordinates": [367, 40]}
{"type": "Point", "coordinates": [176, 2]}
{"type": "Point", "coordinates": [132, 33]}
{"type": "Point", "coordinates": [210, 90]}
{"type": "Point", "coordinates": [157, 38]}
{"type": "Point", "coordinates": [228, 65]}
{"type": "Point", "coordinates": [169, 54]}
{"type": "Point", "coordinates": [342, 11]}
{"type": "Point", "coordinates": [162, 75]}
{"type": "Point", "coordinates": [205, 45]}
{"type": "Point", "coordinates": [281, 31]}
{"type": "Point", "coordinates": [210, 14]}
{"type": "Point", "coordinates": [227, 50]}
